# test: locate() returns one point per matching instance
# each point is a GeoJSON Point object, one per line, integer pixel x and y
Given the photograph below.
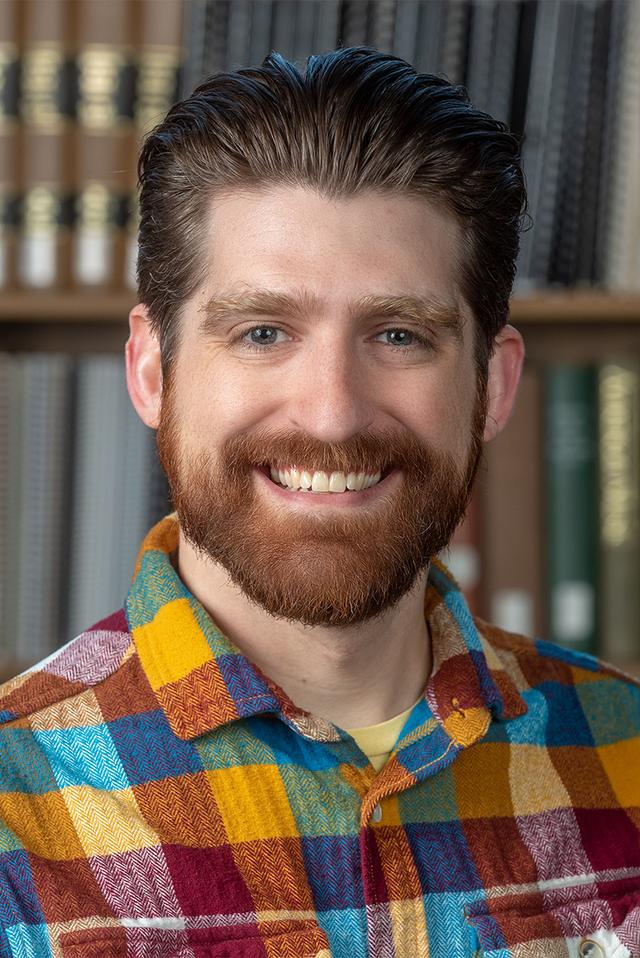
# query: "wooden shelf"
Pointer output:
{"type": "Point", "coordinates": [55, 306]}
{"type": "Point", "coordinates": [99, 306]}
{"type": "Point", "coordinates": [584, 306]}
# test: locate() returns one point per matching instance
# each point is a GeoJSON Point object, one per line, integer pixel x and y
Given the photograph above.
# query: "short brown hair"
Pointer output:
{"type": "Point", "coordinates": [356, 121]}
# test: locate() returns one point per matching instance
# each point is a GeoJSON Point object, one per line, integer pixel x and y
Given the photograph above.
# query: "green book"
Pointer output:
{"type": "Point", "coordinates": [571, 465]}
{"type": "Point", "coordinates": [619, 408]}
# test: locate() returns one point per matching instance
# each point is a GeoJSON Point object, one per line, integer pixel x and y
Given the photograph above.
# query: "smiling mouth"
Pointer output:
{"type": "Point", "coordinates": [322, 482]}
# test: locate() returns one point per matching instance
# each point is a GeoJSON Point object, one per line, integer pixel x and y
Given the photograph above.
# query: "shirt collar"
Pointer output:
{"type": "Point", "coordinates": [201, 681]}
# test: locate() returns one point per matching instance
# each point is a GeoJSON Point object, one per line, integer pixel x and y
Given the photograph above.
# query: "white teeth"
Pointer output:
{"type": "Point", "coordinates": [293, 478]}
{"type": "Point", "coordinates": [318, 481]}
{"type": "Point", "coordinates": [337, 482]}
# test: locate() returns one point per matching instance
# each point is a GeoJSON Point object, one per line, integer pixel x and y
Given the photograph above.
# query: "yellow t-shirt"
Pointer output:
{"type": "Point", "coordinates": [376, 741]}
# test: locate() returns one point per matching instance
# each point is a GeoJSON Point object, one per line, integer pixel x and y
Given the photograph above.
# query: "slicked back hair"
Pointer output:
{"type": "Point", "coordinates": [356, 121]}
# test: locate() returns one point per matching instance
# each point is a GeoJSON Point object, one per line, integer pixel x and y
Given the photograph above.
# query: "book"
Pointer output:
{"type": "Point", "coordinates": [548, 106]}
{"type": "Point", "coordinates": [513, 516]}
{"type": "Point", "coordinates": [580, 142]}
{"type": "Point", "coordinates": [619, 424]}
{"type": "Point", "coordinates": [6, 361]}
{"type": "Point", "coordinates": [46, 108]}
{"type": "Point", "coordinates": [9, 106]}
{"type": "Point", "coordinates": [571, 490]}
{"type": "Point", "coordinates": [45, 416]}
{"type": "Point", "coordinates": [607, 238]}
{"type": "Point", "coordinates": [105, 139]}
{"type": "Point", "coordinates": [622, 263]}
{"type": "Point", "coordinates": [12, 505]}
{"type": "Point", "coordinates": [327, 25]}
{"type": "Point", "coordinates": [464, 554]}
{"type": "Point", "coordinates": [113, 454]}
{"type": "Point", "coordinates": [590, 219]}
{"type": "Point", "coordinates": [159, 30]}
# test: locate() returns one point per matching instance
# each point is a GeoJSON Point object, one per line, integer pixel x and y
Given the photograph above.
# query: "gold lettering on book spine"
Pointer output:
{"type": "Point", "coordinates": [40, 211]}
{"type": "Point", "coordinates": [618, 457]}
{"type": "Point", "coordinates": [157, 73]}
{"type": "Point", "coordinates": [94, 205]}
{"type": "Point", "coordinates": [42, 67]}
{"type": "Point", "coordinates": [99, 68]}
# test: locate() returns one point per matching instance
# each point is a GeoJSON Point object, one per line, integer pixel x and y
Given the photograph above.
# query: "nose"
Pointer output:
{"type": "Point", "coordinates": [330, 395]}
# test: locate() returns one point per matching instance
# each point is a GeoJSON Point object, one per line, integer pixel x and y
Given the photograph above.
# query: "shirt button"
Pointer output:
{"type": "Point", "coordinates": [590, 949]}
{"type": "Point", "coordinates": [376, 814]}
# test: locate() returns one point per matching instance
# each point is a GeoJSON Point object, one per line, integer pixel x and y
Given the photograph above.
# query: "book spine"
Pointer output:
{"type": "Point", "coordinates": [547, 104]}
{"type": "Point", "coordinates": [105, 138]}
{"type": "Point", "coordinates": [46, 419]}
{"type": "Point", "coordinates": [591, 206]}
{"type": "Point", "coordinates": [613, 120]}
{"type": "Point", "coordinates": [619, 414]}
{"type": "Point", "coordinates": [572, 504]}
{"type": "Point", "coordinates": [480, 59]}
{"type": "Point", "coordinates": [45, 109]}
{"type": "Point", "coordinates": [505, 53]}
{"type": "Point", "coordinates": [13, 506]}
{"type": "Point", "coordinates": [463, 556]}
{"type": "Point", "coordinates": [580, 140]}
{"type": "Point", "coordinates": [327, 25]}
{"type": "Point", "coordinates": [623, 247]}
{"type": "Point", "coordinates": [9, 106]}
{"type": "Point", "coordinates": [159, 31]}
{"type": "Point", "coordinates": [513, 515]}
{"type": "Point", "coordinates": [5, 559]}
{"type": "Point", "coordinates": [455, 33]}
{"type": "Point", "coordinates": [405, 32]}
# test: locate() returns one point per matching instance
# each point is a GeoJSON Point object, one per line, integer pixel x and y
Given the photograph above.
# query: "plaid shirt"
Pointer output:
{"type": "Point", "coordinates": [160, 797]}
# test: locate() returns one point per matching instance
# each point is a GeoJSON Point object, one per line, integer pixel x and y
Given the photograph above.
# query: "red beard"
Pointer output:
{"type": "Point", "coordinates": [320, 568]}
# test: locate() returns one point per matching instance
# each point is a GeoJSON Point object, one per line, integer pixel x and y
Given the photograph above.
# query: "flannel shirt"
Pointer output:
{"type": "Point", "coordinates": [159, 796]}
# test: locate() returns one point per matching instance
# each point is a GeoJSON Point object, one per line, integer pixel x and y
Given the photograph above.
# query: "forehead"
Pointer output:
{"type": "Point", "coordinates": [340, 251]}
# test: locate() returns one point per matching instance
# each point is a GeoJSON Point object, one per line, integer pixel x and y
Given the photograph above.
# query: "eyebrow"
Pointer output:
{"type": "Point", "coordinates": [427, 312]}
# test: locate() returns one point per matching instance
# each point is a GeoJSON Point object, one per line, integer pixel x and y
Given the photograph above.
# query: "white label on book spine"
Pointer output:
{"type": "Point", "coordinates": [37, 259]}
{"type": "Point", "coordinates": [512, 610]}
{"type": "Point", "coordinates": [572, 611]}
{"type": "Point", "coordinates": [463, 562]}
{"type": "Point", "coordinates": [94, 256]}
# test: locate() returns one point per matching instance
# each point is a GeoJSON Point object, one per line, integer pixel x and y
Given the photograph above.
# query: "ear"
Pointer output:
{"type": "Point", "coordinates": [505, 367]}
{"type": "Point", "coordinates": [144, 369]}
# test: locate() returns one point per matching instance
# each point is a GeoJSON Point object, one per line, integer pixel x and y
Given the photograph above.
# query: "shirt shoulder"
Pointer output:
{"type": "Point", "coordinates": [81, 665]}
{"type": "Point", "coordinates": [576, 698]}
{"type": "Point", "coordinates": [542, 659]}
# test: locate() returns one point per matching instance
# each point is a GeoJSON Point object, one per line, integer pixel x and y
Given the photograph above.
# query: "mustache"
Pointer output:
{"type": "Point", "coordinates": [369, 452]}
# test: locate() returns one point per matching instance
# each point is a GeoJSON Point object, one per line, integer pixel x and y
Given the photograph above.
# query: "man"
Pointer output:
{"type": "Point", "coordinates": [294, 740]}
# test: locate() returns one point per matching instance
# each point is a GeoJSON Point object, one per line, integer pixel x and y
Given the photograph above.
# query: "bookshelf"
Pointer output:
{"type": "Point", "coordinates": [573, 326]}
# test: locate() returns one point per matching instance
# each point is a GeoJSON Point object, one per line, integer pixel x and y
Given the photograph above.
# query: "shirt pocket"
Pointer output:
{"type": "Point", "coordinates": [306, 942]}
{"type": "Point", "coordinates": [589, 921]}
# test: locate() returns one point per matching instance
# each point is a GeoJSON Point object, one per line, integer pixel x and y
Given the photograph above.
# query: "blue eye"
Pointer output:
{"type": "Point", "coordinates": [405, 338]}
{"type": "Point", "coordinates": [262, 335]}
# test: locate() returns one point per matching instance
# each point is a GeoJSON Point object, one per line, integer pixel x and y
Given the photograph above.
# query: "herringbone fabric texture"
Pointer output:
{"type": "Point", "coordinates": [160, 797]}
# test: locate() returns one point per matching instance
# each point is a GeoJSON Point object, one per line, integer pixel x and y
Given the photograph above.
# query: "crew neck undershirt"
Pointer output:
{"type": "Point", "coordinates": [377, 741]}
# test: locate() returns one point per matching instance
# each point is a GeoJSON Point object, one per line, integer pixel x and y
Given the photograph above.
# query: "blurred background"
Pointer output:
{"type": "Point", "coordinates": [551, 543]}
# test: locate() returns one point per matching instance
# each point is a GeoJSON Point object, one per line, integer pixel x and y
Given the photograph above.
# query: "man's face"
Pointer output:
{"type": "Point", "coordinates": [329, 337]}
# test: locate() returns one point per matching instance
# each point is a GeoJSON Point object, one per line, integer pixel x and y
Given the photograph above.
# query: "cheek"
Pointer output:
{"type": "Point", "coordinates": [221, 405]}
{"type": "Point", "coordinates": [440, 414]}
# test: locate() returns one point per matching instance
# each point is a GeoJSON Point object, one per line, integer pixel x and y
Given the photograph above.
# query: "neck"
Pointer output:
{"type": "Point", "coordinates": [354, 677]}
